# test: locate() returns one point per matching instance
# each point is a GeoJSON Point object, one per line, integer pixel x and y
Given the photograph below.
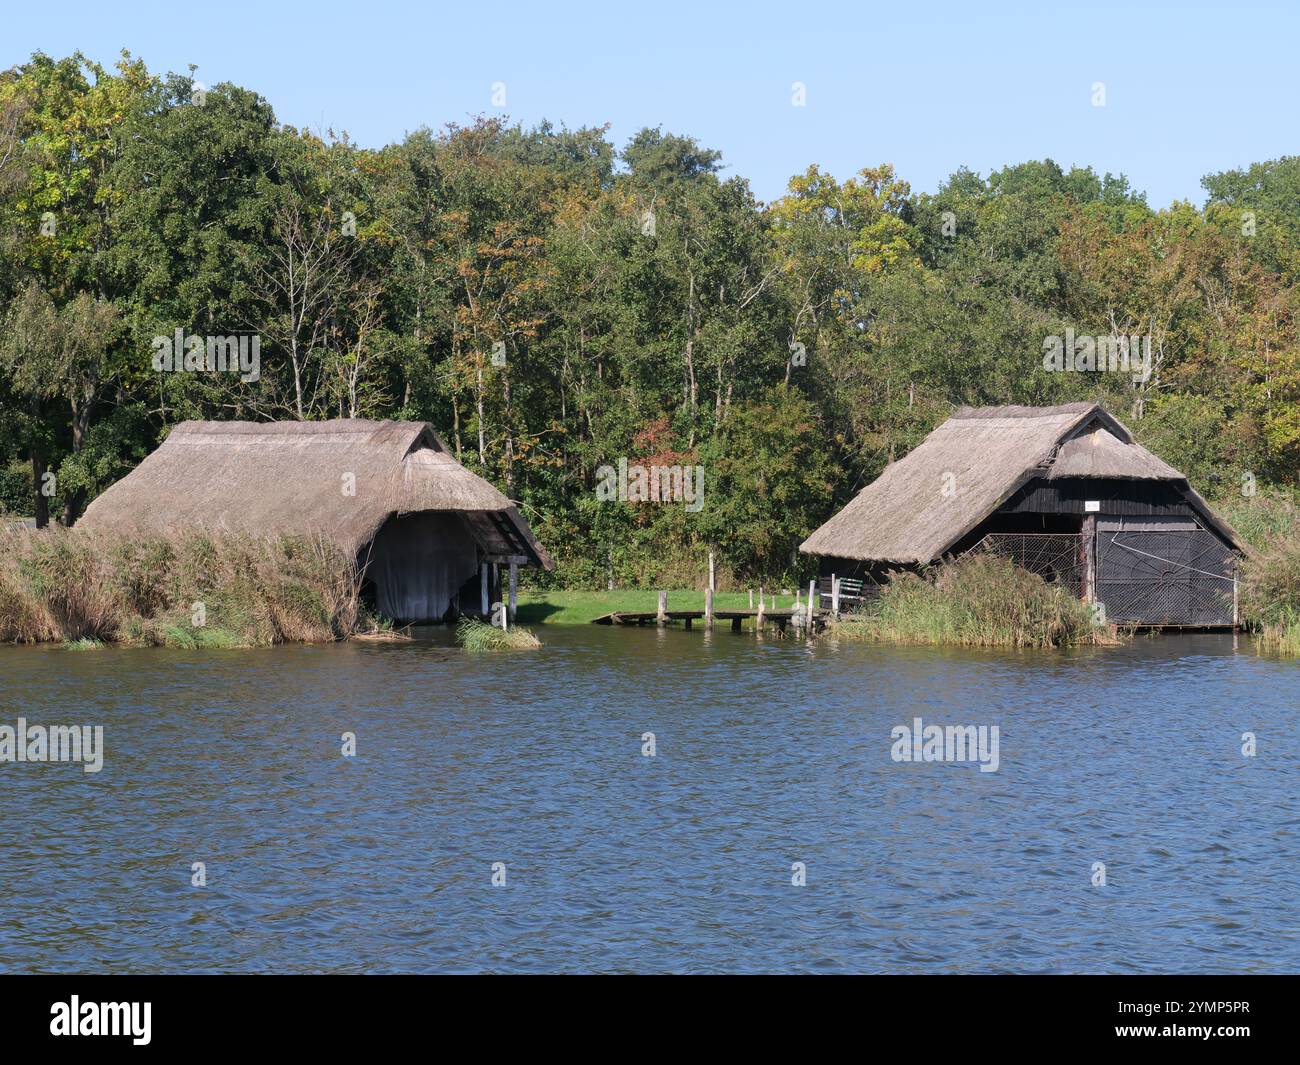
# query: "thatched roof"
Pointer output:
{"type": "Point", "coordinates": [290, 477]}
{"type": "Point", "coordinates": [1099, 453]}
{"type": "Point", "coordinates": [914, 512]}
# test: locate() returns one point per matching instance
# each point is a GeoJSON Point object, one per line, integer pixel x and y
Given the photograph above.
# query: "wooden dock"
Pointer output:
{"type": "Point", "coordinates": [800, 617]}
{"type": "Point", "coordinates": [779, 618]}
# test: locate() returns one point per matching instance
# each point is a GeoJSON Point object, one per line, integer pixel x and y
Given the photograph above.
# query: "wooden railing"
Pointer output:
{"type": "Point", "coordinates": [844, 594]}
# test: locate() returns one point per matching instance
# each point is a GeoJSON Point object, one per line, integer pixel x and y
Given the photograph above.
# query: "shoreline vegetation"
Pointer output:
{"type": "Point", "coordinates": [475, 635]}
{"type": "Point", "coordinates": [982, 601]}
{"type": "Point", "coordinates": [83, 589]}
{"type": "Point", "coordinates": [619, 308]}
{"type": "Point", "coordinates": [619, 305]}
{"type": "Point", "coordinates": [1270, 585]}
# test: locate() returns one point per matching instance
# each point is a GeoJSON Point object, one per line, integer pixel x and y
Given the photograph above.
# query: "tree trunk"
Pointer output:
{"type": "Point", "coordinates": [42, 510]}
{"type": "Point", "coordinates": [510, 435]}
{"type": "Point", "coordinates": [478, 401]}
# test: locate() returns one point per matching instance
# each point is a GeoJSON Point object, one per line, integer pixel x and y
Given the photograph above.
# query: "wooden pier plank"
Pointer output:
{"type": "Point", "coordinates": [642, 617]}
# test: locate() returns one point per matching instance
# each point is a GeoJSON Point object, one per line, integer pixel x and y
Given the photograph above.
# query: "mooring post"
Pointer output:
{"type": "Point", "coordinates": [812, 585]}
{"type": "Point", "coordinates": [708, 608]}
{"type": "Point", "coordinates": [758, 623]}
{"type": "Point", "coordinates": [835, 595]}
{"type": "Point", "coordinates": [712, 584]}
{"type": "Point", "coordinates": [662, 617]}
{"type": "Point", "coordinates": [484, 584]}
{"type": "Point", "coordinates": [751, 599]}
{"type": "Point", "coordinates": [514, 588]}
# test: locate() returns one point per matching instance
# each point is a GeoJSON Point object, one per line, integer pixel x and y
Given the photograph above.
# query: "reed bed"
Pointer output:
{"type": "Point", "coordinates": [1270, 592]}
{"type": "Point", "coordinates": [80, 588]}
{"type": "Point", "coordinates": [982, 601]}
{"type": "Point", "coordinates": [475, 635]}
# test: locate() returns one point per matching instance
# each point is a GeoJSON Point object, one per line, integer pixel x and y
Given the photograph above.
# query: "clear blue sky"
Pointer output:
{"type": "Point", "coordinates": [1191, 87]}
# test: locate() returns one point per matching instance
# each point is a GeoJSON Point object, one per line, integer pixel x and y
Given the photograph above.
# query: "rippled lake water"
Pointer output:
{"type": "Point", "coordinates": [769, 752]}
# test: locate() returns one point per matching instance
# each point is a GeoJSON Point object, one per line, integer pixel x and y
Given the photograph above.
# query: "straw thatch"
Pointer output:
{"type": "Point", "coordinates": [294, 477]}
{"type": "Point", "coordinates": [1101, 454]}
{"type": "Point", "coordinates": [922, 505]}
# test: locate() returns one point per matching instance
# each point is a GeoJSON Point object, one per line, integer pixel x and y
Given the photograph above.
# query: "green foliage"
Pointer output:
{"type": "Point", "coordinates": [647, 308]}
{"type": "Point", "coordinates": [978, 601]}
{"type": "Point", "coordinates": [1270, 578]}
{"type": "Point", "coordinates": [1214, 463]}
{"type": "Point", "coordinates": [86, 643]}
{"type": "Point", "coordinates": [16, 490]}
{"type": "Point", "coordinates": [1263, 517]}
{"type": "Point", "coordinates": [1271, 586]}
{"type": "Point", "coordinates": [475, 635]}
{"type": "Point", "coordinates": [768, 476]}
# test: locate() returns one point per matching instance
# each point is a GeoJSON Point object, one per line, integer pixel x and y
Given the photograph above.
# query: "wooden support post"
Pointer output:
{"type": "Point", "coordinates": [1236, 603]}
{"type": "Point", "coordinates": [735, 624]}
{"type": "Point", "coordinates": [708, 608]}
{"type": "Point", "coordinates": [1090, 558]}
{"type": "Point", "coordinates": [812, 587]}
{"type": "Point", "coordinates": [835, 595]}
{"type": "Point", "coordinates": [661, 618]}
{"type": "Point", "coordinates": [484, 585]}
{"type": "Point", "coordinates": [751, 599]}
{"type": "Point", "coordinates": [514, 589]}
{"type": "Point", "coordinates": [758, 624]}
{"type": "Point", "coordinates": [712, 583]}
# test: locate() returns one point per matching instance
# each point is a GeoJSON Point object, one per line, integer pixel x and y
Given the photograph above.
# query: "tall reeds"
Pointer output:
{"type": "Point", "coordinates": [980, 601]}
{"type": "Point", "coordinates": [1270, 592]}
{"type": "Point", "coordinates": [475, 635]}
{"type": "Point", "coordinates": [70, 585]}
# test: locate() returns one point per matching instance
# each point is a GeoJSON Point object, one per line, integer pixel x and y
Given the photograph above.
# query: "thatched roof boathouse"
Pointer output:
{"type": "Point", "coordinates": [1065, 491]}
{"type": "Point", "coordinates": [433, 537]}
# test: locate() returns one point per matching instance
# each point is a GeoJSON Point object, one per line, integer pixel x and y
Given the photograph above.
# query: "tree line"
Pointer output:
{"type": "Point", "coordinates": [553, 304]}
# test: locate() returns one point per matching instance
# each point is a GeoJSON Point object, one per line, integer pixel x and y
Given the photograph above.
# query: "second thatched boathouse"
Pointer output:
{"type": "Point", "coordinates": [1064, 491]}
{"type": "Point", "coordinates": [434, 539]}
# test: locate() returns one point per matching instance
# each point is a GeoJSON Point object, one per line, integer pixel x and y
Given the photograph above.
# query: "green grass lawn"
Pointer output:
{"type": "Point", "coordinates": [581, 608]}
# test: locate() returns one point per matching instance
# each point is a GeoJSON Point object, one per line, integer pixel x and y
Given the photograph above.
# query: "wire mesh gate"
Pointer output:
{"type": "Point", "coordinates": [1146, 575]}
{"type": "Point", "coordinates": [1153, 576]}
{"type": "Point", "coordinates": [1056, 557]}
